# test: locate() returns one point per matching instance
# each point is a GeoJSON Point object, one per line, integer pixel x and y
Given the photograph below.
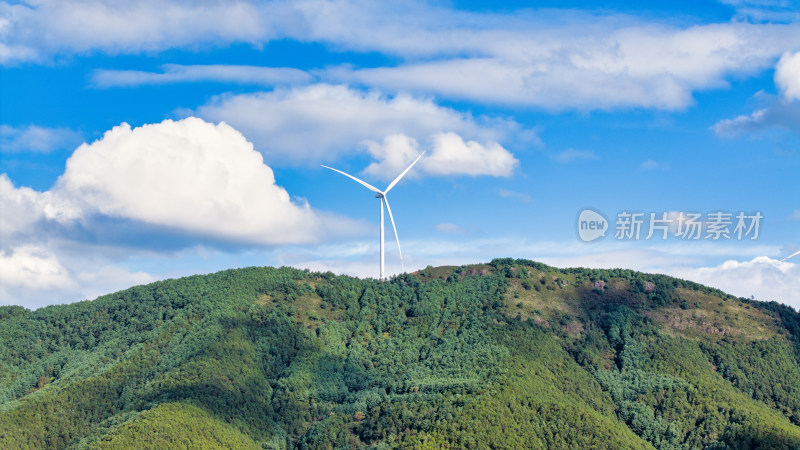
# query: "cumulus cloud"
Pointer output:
{"type": "Point", "coordinates": [109, 278]}
{"type": "Point", "coordinates": [787, 76]}
{"type": "Point", "coordinates": [190, 175]}
{"type": "Point", "coordinates": [33, 138]}
{"type": "Point", "coordinates": [741, 124]}
{"type": "Point", "coordinates": [37, 275]}
{"type": "Point", "coordinates": [319, 123]}
{"type": "Point", "coordinates": [394, 154]}
{"type": "Point", "coordinates": [188, 180]}
{"type": "Point", "coordinates": [782, 112]}
{"type": "Point", "coordinates": [452, 155]}
{"type": "Point", "coordinates": [23, 208]}
{"type": "Point", "coordinates": [775, 114]}
{"type": "Point", "coordinates": [33, 267]}
{"type": "Point", "coordinates": [176, 73]}
{"type": "Point", "coordinates": [448, 154]}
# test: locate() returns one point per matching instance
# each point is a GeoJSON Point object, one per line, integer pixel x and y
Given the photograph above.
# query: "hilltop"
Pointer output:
{"type": "Point", "coordinates": [508, 354]}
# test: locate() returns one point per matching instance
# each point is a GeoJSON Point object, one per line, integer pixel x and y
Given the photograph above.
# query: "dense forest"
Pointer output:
{"type": "Point", "coordinates": [510, 354]}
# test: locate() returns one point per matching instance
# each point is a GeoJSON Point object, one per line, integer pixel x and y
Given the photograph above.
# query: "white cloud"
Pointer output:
{"type": "Point", "coordinates": [109, 278]}
{"type": "Point", "coordinates": [554, 86]}
{"type": "Point", "coordinates": [186, 180]}
{"type": "Point", "coordinates": [33, 267]}
{"type": "Point", "coordinates": [175, 73]}
{"type": "Point", "coordinates": [23, 208]}
{"type": "Point", "coordinates": [189, 175]}
{"type": "Point", "coordinates": [449, 154]}
{"type": "Point", "coordinates": [552, 59]}
{"type": "Point", "coordinates": [787, 76]}
{"type": "Point", "coordinates": [394, 154]}
{"type": "Point", "coordinates": [775, 114]}
{"type": "Point", "coordinates": [585, 62]}
{"type": "Point", "coordinates": [41, 274]}
{"type": "Point", "coordinates": [783, 112]}
{"type": "Point", "coordinates": [318, 123]}
{"type": "Point", "coordinates": [43, 28]}
{"type": "Point", "coordinates": [741, 124]}
{"type": "Point", "coordinates": [33, 138]}
{"type": "Point", "coordinates": [764, 10]}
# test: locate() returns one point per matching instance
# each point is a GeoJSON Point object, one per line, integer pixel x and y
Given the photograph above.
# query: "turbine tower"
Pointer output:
{"type": "Point", "coordinates": [382, 196]}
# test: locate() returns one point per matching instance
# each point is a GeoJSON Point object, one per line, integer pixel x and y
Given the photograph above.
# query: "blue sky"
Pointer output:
{"type": "Point", "coordinates": [153, 139]}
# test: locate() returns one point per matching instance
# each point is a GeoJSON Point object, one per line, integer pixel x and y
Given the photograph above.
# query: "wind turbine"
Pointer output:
{"type": "Point", "coordinates": [381, 194]}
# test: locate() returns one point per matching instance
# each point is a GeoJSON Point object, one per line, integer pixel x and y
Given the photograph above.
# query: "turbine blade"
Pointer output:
{"type": "Point", "coordinates": [395, 233]}
{"type": "Point", "coordinates": [391, 185]}
{"type": "Point", "coordinates": [363, 183]}
{"type": "Point", "coordinates": [784, 259]}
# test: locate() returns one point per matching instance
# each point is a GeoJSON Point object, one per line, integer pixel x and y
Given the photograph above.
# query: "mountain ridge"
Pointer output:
{"type": "Point", "coordinates": [448, 356]}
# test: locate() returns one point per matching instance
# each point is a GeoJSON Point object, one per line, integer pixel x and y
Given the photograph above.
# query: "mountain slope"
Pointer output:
{"type": "Point", "coordinates": [507, 354]}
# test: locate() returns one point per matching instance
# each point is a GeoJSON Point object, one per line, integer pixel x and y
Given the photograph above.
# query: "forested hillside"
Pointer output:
{"type": "Point", "coordinates": [510, 354]}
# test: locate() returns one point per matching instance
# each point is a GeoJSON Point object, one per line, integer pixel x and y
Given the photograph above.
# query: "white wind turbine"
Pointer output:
{"type": "Point", "coordinates": [382, 195]}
